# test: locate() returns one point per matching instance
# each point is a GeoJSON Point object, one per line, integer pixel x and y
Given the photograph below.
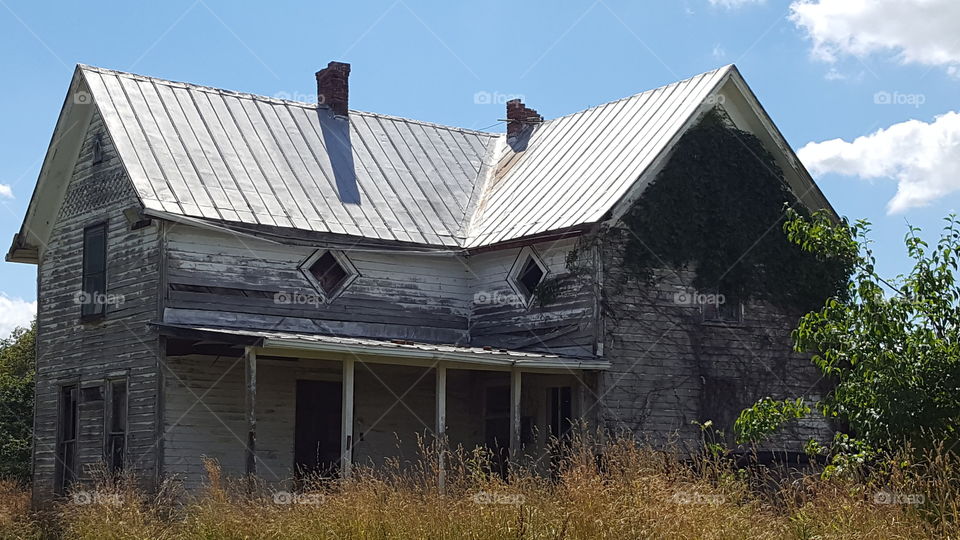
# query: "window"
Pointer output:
{"type": "Point", "coordinates": [721, 306]}
{"type": "Point", "coordinates": [93, 295]}
{"type": "Point", "coordinates": [561, 411]}
{"type": "Point", "coordinates": [330, 272]}
{"type": "Point", "coordinates": [527, 274]}
{"type": "Point", "coordinates": [67, 419]}
{"type": "Point", "coordinates": [115, 410]}
{"type": "Point", "coordinates": [98, 149]}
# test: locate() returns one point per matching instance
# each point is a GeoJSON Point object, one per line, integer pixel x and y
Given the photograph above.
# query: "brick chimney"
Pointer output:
{"type": "Point", "coordinates": [332, 87]}
{"type": "Point", "coordinates": [520, 116]}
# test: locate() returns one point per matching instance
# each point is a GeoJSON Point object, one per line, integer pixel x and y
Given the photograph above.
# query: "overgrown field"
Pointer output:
{"type": "Point", "coordinates": [631, 492]}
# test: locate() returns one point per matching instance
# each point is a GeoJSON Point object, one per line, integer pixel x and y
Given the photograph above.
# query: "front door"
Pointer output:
{"type": "Point", "coordinates": [318, 420]}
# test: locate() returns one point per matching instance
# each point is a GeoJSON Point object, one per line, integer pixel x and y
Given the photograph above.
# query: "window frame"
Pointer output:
{"type": "Point", "coordinates": [90, 309]}
{"type": "Point", "coordinates": [713, 314]}
{"type": "Point", "coordinates": [65, 474]}
{"type": "Point", "coordinates": [109, 433]}
{"type": "Point", "coordinates": [527, 253]}
{"type": "Point", "coordinates": [342, 260]}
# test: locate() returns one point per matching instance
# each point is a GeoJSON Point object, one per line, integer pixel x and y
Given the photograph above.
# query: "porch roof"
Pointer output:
{"type": "Point", "coordinates": [379, 348]}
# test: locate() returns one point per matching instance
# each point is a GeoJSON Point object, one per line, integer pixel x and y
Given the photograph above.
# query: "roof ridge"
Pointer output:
{"type": "Point", "coordinates": [275, 100]}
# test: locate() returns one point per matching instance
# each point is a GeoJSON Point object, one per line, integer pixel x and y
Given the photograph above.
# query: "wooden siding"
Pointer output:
{"type": "Point", "coordinates": [563, 326]}
{"type": "Point", "coordinates": [423, 298]}
{"type": "Point", "coordinates": [669, 369]}
{"type": "Point", "coordinates": [122, 344]}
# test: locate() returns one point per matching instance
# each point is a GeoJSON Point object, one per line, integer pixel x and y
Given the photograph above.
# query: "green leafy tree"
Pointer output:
{"type": "Point", "coordinates": [17, 361]}
{"type": "Point", "coordinates": [890, 347]}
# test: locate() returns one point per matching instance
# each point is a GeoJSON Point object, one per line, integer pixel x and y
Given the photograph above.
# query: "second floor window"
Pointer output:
{"type": "Point", "coordinates": [94, 286]}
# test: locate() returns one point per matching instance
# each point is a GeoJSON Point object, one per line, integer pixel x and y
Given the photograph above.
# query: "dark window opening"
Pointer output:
{"type": "Point", "coordinates": [94, 286]}
{"type": "Point", "coordinates": [116, 425]}
{"type": "Point", "coordinates": [530, 276]}
{"type": "Point", "coordinates": [98, 149]}
{"type": "Point", "coordinates": [721, 306]}
{"type": "Point", "coordinates": [496, 427]}
{"type": "Point", "coordinates": [329, 273]}
{"type": "Point", "coordinates": [561, 411]}
{"type": "Point", "coordinates": [68, 417]}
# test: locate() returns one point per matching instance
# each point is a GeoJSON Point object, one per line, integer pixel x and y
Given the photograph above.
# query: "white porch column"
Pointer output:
{"type": "Point", "coordinates": [515, 451]}
{"type": "Point", "coordinates": [441, 421]}
{"type": "Point", "coordinates": [346, 437]}
{"type": "Point", "coordinates": [250, 401]}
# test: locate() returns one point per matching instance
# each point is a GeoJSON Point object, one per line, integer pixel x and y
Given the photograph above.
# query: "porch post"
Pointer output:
{"type": "Point", "coordinates": [250, 380]}
{"type": "Point", "coordinates": [346, 437]}
{"type": "Point", "coordinates": [441, 420]}
{"type": "Point", "coordinates": [515, 414]}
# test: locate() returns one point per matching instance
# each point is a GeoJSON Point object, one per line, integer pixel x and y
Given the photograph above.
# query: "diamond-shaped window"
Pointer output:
{"type": "Point", "coordinates": [330, 272]}
{"type": "Point", "coordinates": [527, 273]}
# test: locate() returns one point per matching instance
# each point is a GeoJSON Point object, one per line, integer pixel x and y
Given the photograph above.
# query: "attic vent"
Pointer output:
{"type": "Point", "coordinates": [330, 272]}
{"type": "Point", "coordinates": [98, 149]}
{"type": "Point", "coordinates": [527, 273]}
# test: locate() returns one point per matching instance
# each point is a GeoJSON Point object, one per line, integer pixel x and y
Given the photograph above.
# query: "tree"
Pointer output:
{"type": "Point", "coordinates": [17, 365]}
{"type": "Point", "coordinates": [891, 347]}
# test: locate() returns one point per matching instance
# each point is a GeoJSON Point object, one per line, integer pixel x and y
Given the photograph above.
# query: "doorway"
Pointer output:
{"type": "Point", "coordinates": [317, 428]}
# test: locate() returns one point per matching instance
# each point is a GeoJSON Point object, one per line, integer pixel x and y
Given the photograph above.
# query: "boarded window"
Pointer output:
{"type": "Point", "coordinates": [116, 425]}
{"type": "Point", "coordinates": [67, 419]}
{"type": "Point", "coordinates": [93, 295]}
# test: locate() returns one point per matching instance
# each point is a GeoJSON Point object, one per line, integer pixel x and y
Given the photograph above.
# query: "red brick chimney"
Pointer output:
{"type": "Point", "coordinates": [520, 116]}
{"type": "Point", "coordinates": [332, 87]}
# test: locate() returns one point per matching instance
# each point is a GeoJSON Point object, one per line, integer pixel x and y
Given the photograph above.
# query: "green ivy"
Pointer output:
{"type": "Point", "coordinates": [718, 207]}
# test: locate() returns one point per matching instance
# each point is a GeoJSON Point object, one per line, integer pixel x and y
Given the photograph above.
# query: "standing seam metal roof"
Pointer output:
{"type": "Point", "coordinates": [228, 156]}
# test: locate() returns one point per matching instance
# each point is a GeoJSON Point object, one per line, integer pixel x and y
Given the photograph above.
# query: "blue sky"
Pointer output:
{"type": "Point", "coordinates": [885, 71]}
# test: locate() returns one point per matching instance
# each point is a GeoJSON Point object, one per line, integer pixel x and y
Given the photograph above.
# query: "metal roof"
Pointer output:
{"type": "Point", "coordinates": [397, 348]}
{"type": "Point", "coordinates": [227, 156]}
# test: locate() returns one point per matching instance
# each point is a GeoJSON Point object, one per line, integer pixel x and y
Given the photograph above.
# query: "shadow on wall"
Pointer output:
{"type": "Point", "coordinates": [336, 137]}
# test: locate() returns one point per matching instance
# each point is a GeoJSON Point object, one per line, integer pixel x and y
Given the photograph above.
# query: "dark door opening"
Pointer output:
{"type": "Point", "coordinates": [66, 467]}
{"type": "Point", "coordinates": [317, 428]}
{"type": "Point", "coordinates": [496, 432]}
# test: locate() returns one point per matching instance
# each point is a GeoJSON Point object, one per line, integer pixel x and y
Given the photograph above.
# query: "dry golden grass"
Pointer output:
{"type": "Point", "coordinates": [637, 493]}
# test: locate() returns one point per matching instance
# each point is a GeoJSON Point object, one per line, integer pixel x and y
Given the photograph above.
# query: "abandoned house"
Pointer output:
{"type": "Point", "coordinates": [292, 287]}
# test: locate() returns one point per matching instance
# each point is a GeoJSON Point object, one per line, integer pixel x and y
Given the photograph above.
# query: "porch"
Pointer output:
{"type": "Point", "coordinates": [277, 405]}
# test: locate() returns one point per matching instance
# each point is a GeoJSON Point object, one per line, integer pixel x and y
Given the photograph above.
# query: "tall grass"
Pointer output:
{"type": "Point", "coordinates": [633, 491]}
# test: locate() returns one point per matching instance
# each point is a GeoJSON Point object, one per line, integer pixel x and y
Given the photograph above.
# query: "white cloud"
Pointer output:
{"type": "Point", "coordinates": [913, 31]}
{"type": "Point", "coordinates": [6, 191]}
{"type": "Point", "coordinates": [923, 158]}
{"type": "Point", "coordinates": [15, 312]}
{"type": "Point", "coordinates": [732, 4]}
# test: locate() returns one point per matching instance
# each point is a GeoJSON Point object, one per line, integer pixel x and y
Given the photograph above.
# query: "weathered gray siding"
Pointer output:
{"type": "Point", "coordinates": [669, 369]}
{"type": "Point", "coordinates": [424, 298]}
{"type": "Point", "coordinates": [122, 344]}
{"type": "Point", "coordinates": [565, 325]}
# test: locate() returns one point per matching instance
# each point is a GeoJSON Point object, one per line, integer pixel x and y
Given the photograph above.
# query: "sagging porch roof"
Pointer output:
{"type": "Point", "coordinates": [364, 348]}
